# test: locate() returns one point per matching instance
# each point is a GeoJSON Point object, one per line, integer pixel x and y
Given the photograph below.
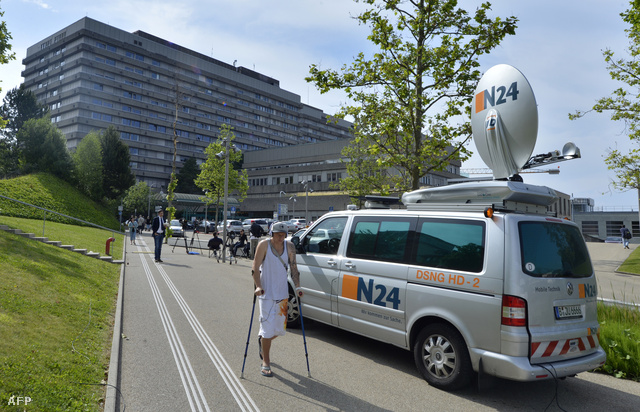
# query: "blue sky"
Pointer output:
{"type": "Point", "coordinates": [558, 46]}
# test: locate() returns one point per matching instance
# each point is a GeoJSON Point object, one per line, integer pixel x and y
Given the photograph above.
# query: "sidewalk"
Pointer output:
{"type": "Point", "coordinates": [134, 295]}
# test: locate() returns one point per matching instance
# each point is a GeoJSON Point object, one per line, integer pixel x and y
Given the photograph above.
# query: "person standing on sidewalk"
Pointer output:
{"type": "Point", "coordinates": [158, 230]}
{"type": "Point", "coordinates": [272, 260]}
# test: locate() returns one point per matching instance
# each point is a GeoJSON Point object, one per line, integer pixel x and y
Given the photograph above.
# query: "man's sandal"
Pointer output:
{"type": "Point", "coordinates": [266, 371]}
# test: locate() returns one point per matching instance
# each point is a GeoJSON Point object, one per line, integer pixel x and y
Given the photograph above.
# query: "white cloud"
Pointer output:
{"type": "Point", "coordinates": [38, 3]}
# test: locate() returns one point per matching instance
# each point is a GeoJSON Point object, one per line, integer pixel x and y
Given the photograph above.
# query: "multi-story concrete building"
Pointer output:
{"type": "Point", "coordinates": [92, 75]}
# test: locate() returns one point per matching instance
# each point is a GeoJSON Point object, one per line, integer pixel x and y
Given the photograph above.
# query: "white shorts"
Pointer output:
{"type": "Point", "coordinates": [273, 318]}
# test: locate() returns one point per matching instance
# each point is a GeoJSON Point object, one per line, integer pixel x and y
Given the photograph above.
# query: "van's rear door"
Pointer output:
{"type": "Point", "coordinates": [551, 270]}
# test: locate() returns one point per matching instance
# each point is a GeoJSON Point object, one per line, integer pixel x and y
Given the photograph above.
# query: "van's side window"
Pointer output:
{"type": "Point", "coordinates": [379, 238]}
{"type": "Point", "coordinates": [451, 244]}
{"type": "Point", "coordinates": [325, 238]}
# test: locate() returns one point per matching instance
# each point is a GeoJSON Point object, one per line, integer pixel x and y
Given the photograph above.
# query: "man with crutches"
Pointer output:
{"type": "Point", "coordinates": [272, 259]}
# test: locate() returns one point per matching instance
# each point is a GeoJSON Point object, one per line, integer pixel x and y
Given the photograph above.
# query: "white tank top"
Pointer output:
{"type": "Point", "coordinates": [273, 275]}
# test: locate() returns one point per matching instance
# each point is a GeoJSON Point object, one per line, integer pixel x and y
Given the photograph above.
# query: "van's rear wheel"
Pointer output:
{"type": "Point", "coordinates": [442, 358]}
{"type": "Point", "coordinates": [293, 311]}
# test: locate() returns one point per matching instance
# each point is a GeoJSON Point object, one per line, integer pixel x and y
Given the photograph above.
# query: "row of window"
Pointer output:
{"type": "Point", "coordinates": [135, 96]}
{"type": "Point", "coordinates": [278, 180]}
{"type": "Point", "coordinates": [612, 227]}
{"type": "Point", "coordinates": [156, 76]}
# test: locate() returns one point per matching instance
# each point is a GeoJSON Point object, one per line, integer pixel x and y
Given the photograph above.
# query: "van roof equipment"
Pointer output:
{"type": "Point", "coordinates": [476, 196]}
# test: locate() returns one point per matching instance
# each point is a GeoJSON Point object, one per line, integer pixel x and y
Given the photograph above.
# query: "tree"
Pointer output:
{"type": "Point", "coordinates": [116, 168]}
{"type": "Point", "coordinates": [136, 199]}
{"type": "Point", "coordinates": [186, 177]}
{"type": "Point", "coordinates": [412, 96]}
{"type": "Point", "coordinates": [364, 174]}
{"type": "Point", "coordinates": [5, 50]}
{"type": "Point", "coordinates": [88, 164]}
{"type": "Point", "coordinates": [43, 148]}
{"type": "Point", "coordinates": [623, 104]}
{"type": "Point", "coordinates": [19, 105]}
{"type": "Point", "coordinates": [211, 177]}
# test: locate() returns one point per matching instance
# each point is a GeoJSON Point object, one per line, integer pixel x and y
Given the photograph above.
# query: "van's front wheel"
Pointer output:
{"type": "Point", "coordinates": [442, 358]}
{"type": "Point", "coordinates": [293, 311]}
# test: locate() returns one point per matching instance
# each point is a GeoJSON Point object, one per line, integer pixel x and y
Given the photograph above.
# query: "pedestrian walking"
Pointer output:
{"type": "Point", "coordinates": [141, 221]}
{"type": "Point", "coordinates": [626, 235]}
{"type": "Point", "coordinates": [158, 231]}
{"type": "Point", "coordinates": [132, 223]}
{"type": "Point", "coordinates": [273, 258]}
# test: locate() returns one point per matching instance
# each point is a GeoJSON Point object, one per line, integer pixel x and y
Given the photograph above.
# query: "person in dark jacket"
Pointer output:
{"type": "Point", "coordinates": [158, 230]}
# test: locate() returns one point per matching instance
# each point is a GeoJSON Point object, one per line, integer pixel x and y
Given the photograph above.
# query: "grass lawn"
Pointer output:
{"type": "Point", "coordinates": [56, 320]}
{"type": "Point", "coordinates": [620, 331]}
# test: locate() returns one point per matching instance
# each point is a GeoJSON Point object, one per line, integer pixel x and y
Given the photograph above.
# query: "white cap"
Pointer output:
{"type": "Point", "coordinates": [279, 227]}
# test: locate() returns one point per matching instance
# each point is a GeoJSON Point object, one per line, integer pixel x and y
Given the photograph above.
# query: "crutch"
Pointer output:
{"type": "Point", "coordinates": [304, 338]}
{"type": "Point", "coordinates": [248, 337]}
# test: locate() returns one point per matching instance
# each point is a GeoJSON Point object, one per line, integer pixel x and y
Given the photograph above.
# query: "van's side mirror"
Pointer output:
{"type": "Point", "coordinates": [299, 248]}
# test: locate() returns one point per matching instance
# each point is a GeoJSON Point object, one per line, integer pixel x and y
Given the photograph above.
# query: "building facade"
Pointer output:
{"type": "Point", "coordinates": [301, 181]}
{"type": "Point", "coordinates": [92, 76]}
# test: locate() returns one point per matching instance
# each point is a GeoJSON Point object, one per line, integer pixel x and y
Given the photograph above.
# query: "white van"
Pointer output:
{"type": "Point", "coordinates": [474, 277]}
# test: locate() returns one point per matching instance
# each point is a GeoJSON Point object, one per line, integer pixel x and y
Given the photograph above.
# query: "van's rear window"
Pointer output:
{"type": "Point", "coordinates": [553, 250]}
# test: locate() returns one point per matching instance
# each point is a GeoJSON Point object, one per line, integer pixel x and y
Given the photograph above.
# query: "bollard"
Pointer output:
{"type": "Point", "coordinates": [108, 245]}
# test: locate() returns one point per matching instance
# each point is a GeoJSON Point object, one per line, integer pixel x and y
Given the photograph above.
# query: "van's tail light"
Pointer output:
{"type": "Point", "coordinates": [514, 311]}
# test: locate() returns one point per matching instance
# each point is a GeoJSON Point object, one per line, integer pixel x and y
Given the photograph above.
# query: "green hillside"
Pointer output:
{"type": "Point", "coordinates": [51, 193]}
{"type": "Point", "coordinates": [56, 320]}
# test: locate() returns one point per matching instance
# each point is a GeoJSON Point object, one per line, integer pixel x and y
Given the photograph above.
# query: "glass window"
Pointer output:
{"type": "Point", "coordinates": [613, 227]}
{"type": "Point", "coordinates": [325, 237]}
{"type": "Point", "coordinates": [450, 244]}
{"type": "Point", "coordinates": [553, 250]}
{"type": "Point", "coordinates": [380, 238]}
{"type": "Point", "coordinates": [590, 227]}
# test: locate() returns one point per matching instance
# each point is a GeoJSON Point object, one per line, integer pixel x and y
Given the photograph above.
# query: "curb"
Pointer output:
{"type": "Point", "coordinates": [111, 397]}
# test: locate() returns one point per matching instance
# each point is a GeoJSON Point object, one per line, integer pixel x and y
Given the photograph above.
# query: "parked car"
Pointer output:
{"type": "Point", "coordinates": [211, 226]}
{"type": "Point", "coordinates": [613, 239]}
{"type": "Point", "coordinates": [470, 291]}
{"type": "Point", "coordinates": [176, 228]}
{"type": "Point", "coordinates": [297, 224]}
{"type": "Point", "coordinates": [246, 224]}
{"type": "Point", "coordinates": [232, 226]}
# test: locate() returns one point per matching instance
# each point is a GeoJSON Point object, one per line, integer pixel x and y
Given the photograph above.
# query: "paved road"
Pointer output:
{"type": "Point", "coordinates": [185, 325]}
{"type": "Point", "coordinates": [606, 258]}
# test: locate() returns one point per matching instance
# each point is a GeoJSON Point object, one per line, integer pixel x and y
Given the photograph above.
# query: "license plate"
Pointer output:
{"type": "Point", "coordinates": [566, 312]}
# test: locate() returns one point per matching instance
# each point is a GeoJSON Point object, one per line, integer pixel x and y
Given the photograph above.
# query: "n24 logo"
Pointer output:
{"type": "Point", "coordinates": [486, 98]}
{"type": "Point", "coordinates": [354, 287]}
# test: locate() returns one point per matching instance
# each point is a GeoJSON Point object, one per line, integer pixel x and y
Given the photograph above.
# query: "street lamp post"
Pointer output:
{"type": "Point", "coordinates": [226, 195]}
{"type": "Point", "coordinates": [151, 187]}
{"type": "Point", "coordinates": [306, 200]}
{"type": "Point", "coordinates": [206, 208]}
{"type": "Point", "coordinates": [294, 198]}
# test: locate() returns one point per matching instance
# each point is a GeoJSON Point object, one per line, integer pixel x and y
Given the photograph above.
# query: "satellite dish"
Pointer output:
{"type": "Point", "coordinates": [504, 120]}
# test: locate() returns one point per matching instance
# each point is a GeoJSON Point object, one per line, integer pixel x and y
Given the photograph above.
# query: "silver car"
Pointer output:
{"type": "Point", "coordinates": [232, 226]}
{"type": "Point", "coordinates": [176, 228]}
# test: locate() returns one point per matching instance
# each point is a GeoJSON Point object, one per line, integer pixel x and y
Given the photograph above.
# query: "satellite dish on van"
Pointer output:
{"type": "Point", "coordinates": [504, 120]}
